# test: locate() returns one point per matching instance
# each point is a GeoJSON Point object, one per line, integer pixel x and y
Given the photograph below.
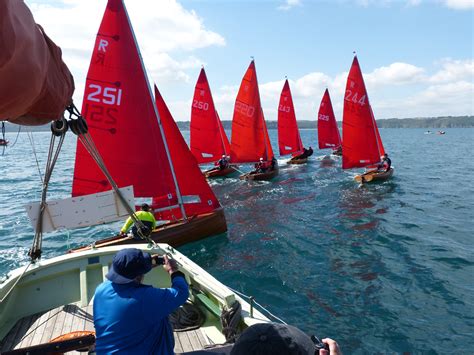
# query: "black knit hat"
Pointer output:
{"type": "Point", "coordinates": [273, 339]}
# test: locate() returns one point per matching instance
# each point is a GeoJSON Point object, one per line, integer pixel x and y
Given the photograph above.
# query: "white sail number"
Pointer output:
{"type": "Point", "coordinates": [244, 109]}
{"type": "Point", "coordinates": [323, 117]}
{"type": "Point", "coordinates": [200, 105]}
{"type": "Point", "coordinates": [108, 95]}
{"type": "Point", "coordinates": [352, 97]}
{"type": "Point", "coordinates": [284, 108]}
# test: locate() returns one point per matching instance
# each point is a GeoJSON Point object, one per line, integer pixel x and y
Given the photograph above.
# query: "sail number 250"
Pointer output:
{"type": "Point", "coordinates": [350, 96]}
{"type": "Point", "coordinates": [105, 95]}
{"type": "Point", "coordinates": [200, 105]}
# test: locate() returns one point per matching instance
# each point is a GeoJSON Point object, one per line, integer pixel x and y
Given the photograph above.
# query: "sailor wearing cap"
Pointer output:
{"type": "Point", "coordinates": [132, 318]}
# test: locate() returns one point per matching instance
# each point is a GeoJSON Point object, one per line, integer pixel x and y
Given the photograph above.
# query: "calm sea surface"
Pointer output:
{"type": "Point", "coordinates": [383, 268]}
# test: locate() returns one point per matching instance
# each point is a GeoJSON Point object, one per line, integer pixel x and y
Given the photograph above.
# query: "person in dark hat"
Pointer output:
{"type": "Point", "coordinates": [146, 217]}
{"type": "Point", "coordinates": [132, 318]}
{"type": "Point", "coordinates": [385, 163]}
{"type": "Point", "coordinates": [279, 339]}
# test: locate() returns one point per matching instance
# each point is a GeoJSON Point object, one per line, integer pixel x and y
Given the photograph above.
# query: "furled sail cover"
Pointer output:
{"type": "Point", "coordinates": [35, 84]}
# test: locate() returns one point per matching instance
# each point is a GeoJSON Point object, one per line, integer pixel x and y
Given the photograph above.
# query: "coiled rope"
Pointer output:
{"type": "Point", "coordinates": [187, 317]}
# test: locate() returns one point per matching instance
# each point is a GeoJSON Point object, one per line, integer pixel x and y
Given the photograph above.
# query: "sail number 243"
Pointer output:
{"type": "Point", "coordinates": [353, 97]}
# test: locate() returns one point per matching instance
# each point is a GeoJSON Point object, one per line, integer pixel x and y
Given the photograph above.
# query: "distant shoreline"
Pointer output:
{"type": "Point", "coordinates": [444, 122]}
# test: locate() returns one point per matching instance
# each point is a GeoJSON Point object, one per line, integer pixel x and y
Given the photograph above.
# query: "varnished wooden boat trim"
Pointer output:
{"type": "Point", "coordinates": [297, 161]}
{"type": "Point", "coordinates": [216, 172]}
{"type": "Point", "coordinates": [174, 233]}
{"type": "Point", "coordinates": [260, 176]}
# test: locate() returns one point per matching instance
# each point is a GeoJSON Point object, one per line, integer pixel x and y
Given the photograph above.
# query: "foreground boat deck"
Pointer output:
{"type": "Point", "coordinates": [42, 327]}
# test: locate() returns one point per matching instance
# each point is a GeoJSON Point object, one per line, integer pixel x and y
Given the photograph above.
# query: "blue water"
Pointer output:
{"type": "Point", "coordinates": [381, 268]}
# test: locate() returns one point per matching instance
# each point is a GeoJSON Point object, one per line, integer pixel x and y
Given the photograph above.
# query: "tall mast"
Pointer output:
{"type": "Point", "coordinates": [178, 192]}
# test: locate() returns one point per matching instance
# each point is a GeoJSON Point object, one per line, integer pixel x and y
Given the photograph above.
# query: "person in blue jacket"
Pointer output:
{"type": "Point", "coordinates": [130, 317]}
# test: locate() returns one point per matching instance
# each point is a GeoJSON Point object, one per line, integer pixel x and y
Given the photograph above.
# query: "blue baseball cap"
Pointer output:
{"type": "Point", "coordinates": [128, 264]}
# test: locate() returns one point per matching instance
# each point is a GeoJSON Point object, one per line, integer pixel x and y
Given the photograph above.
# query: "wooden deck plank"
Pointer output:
{"type": "Point", "coordinates": [48, 330]}
{"type": "Point", "coordinates": [177, 344]}
{"type": "Point", "coordinates": [40, 328]}
{"type": "Point", "coordinates": [58, 324]}
{"type": "Point", "coordinates": [195, 339]}
{"type": "Point", "coordinates": [28, 335]}
{"type": "Point", "coordinates": [185, 342]}
{"type": "Point", "coordinates": [78, 321]}
{"type": "Point", "coordinates": [89, 325]}
{"type": "Point", "coordinates": [69, 317]}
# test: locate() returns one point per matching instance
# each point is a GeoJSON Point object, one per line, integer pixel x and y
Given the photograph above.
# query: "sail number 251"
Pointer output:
{"type": "Point", "coordinates": [352, 97]}
{"type": "Point", "coordinates": [105, 95]}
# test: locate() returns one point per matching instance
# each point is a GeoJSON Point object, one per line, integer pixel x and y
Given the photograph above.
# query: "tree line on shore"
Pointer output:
{"type": "Point", "coordinates": [422, 122]}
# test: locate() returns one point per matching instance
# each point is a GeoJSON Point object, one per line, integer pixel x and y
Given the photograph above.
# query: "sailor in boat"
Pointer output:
{"type": "Point", "coordinates": [385, 164]}
{"type": "Point", "coordinates": [130, 317]}
{"type": "Point", "coordinates": [273, 164]}
{"type": "Point", "coordinates": [338, 151]}
{"type": "Point", "coordinates": [260, 167]}
{"type": "Point", "coordinates": [281, 339]}
{"type": "Point", "coordinates": [146, 217]}
{"type": "Point", "coordinates": [223, 162]}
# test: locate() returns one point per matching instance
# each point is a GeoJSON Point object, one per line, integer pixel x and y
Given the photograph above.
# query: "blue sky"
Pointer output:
{"type": "Point", "coordinates": [416, 55]}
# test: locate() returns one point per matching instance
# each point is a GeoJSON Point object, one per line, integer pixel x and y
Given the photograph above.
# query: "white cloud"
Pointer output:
{"type": "Point", "coordinates": [459, 4]}
{"type": "Point", "coordinates": [454, 70]}
{"type": "Point", "coordinates": [394, 74]}
{"type": "Point", "coordinates": [289, 4]}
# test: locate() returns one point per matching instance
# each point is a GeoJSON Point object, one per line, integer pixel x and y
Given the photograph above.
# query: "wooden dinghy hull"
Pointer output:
{"type": "Point", "coordinates": [297, 161]}
{"type": "Point", "coordinates": [55, 296]}
{"type": "Point", "coordinates": [260, 176]}
{"type": "Point", "coordinates": [374, 176]}
{"type": "Point", "coordinates": [175, 233]}
{"type": "Point", "coordinates": [216, 172]}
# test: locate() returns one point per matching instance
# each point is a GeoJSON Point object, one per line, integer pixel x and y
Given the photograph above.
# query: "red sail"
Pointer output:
{"type": "Point", "coordinates": [359, 137]}
{"type": "Point", "coordinates": [379, 140]}
{"type": "Point", "coordinates": [119, 108]}
{"type": "Point", "coordinates": [207, 138]}
{"type": "Point", "coordinates": [223, 135]}
{"type": "Point", "coordinates": [250, 140]}
{"type": "Point", "coordinates": [328, 133]}
{"type": "Point", "coordinates": [196, 193]}
{"type": "Point", "coordinates": [289, 139]}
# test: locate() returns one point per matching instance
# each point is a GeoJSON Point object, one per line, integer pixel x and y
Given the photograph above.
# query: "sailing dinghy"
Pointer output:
{"type": "Point", "coordinates": [250, 140]}
{"type": "Point", "coordinates": [208, 140]}
{"type": "Point", "coordinates": [63, 288]}
{"type": "Point", "coordinates": [328, 132]}
{"type": "Point", "coordinates": [289, 140]}
{"type": "Point", "coordinates": [361, 142]}
{"type": "Point", "coordinates": [130, 136]}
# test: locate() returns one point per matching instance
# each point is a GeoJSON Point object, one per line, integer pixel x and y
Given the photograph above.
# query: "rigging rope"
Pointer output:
{"type": "Point", "coordinates": [78, 126]}
{"type": "Point", "coordinates": [35, 251]}
{"type": "Point", "coordinates": [187, 317]}
{"type": "Point", "coordinates": [258, 304]}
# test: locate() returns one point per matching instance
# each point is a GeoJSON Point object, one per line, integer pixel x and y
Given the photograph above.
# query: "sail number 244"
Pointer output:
{"type": "Point", "coordinates": [353, 97]}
